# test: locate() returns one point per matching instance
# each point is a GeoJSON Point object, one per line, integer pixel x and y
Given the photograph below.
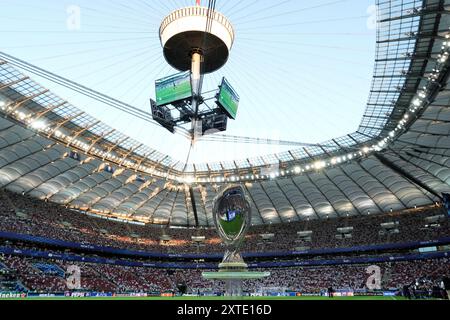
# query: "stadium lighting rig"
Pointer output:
{"type": "Point", "coordinates": [196, 41]}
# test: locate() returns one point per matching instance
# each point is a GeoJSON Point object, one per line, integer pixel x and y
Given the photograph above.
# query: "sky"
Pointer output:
{"type": "Point", "coordinates": [302, 68]}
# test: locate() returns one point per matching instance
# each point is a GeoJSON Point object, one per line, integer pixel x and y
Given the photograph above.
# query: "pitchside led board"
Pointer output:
{"type": "Point", "coordinates": [228, 99]}
{"type": "Point", "coordinates": [173, 89]}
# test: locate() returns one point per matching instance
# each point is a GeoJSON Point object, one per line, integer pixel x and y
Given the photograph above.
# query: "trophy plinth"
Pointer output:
{"type": "Point", "coordinates": [232, 218]}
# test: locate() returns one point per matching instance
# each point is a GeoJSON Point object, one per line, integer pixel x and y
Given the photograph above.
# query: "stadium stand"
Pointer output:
{"type": "Point", "coordinates": [121, 279]}
{"type": "Point", "coordinates": [24, 215]}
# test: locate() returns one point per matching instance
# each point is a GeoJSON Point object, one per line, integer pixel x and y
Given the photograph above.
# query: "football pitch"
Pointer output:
{"type": "Point", "coordinates": [359, 298]}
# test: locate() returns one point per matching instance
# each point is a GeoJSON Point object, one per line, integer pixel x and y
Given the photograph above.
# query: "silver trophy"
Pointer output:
{"type": "Point", "coordinates": [232, 217]}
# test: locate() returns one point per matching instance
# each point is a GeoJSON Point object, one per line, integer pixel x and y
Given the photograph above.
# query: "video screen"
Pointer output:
{"type": "Point", "coordinates": [173, 88]}
{"type": "Point", "coordinates": [228, 99]}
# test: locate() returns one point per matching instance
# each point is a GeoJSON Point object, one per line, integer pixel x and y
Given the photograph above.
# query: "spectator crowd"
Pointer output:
{"type": "Point", "coordinates": [123, 279]}
{"type": "Point", "coordinates": [23, 215]}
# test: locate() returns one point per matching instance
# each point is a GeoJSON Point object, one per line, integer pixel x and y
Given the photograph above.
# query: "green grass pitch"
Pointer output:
{"type": "Point", "coordinates": [232, 228]}
{"type": "Point", "coordinates": [228, 102]}
{"type": "Point", "coordinates": [220, 298]}
{"type": "Point", "coordinates": [173, 93]}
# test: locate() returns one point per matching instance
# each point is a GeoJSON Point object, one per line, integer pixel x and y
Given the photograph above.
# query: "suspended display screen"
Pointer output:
{"type": "Point", "coordinates": [228, 99]}
{"type": "Point", "coordinates": [173, 89]}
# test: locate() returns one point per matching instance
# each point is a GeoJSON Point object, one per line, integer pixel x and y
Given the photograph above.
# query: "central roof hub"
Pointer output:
{"type": "Point", "coordinates": [196, 29]}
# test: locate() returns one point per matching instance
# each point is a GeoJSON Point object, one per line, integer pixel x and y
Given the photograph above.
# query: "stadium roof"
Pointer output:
{"type": "Point", "coordinates": [397, 159]}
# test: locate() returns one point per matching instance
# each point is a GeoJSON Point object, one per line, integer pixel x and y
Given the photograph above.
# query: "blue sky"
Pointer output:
{"type": "Point", "coordinates": [302, 68]}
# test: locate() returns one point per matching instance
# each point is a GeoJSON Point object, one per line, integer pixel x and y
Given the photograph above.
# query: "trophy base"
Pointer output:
{"type": "Point", "coordinates": [233, 271]}
{"type": "Point", "coordinates": [233, 266]}
{"type": "Point", "coordinates": [234, 280]}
